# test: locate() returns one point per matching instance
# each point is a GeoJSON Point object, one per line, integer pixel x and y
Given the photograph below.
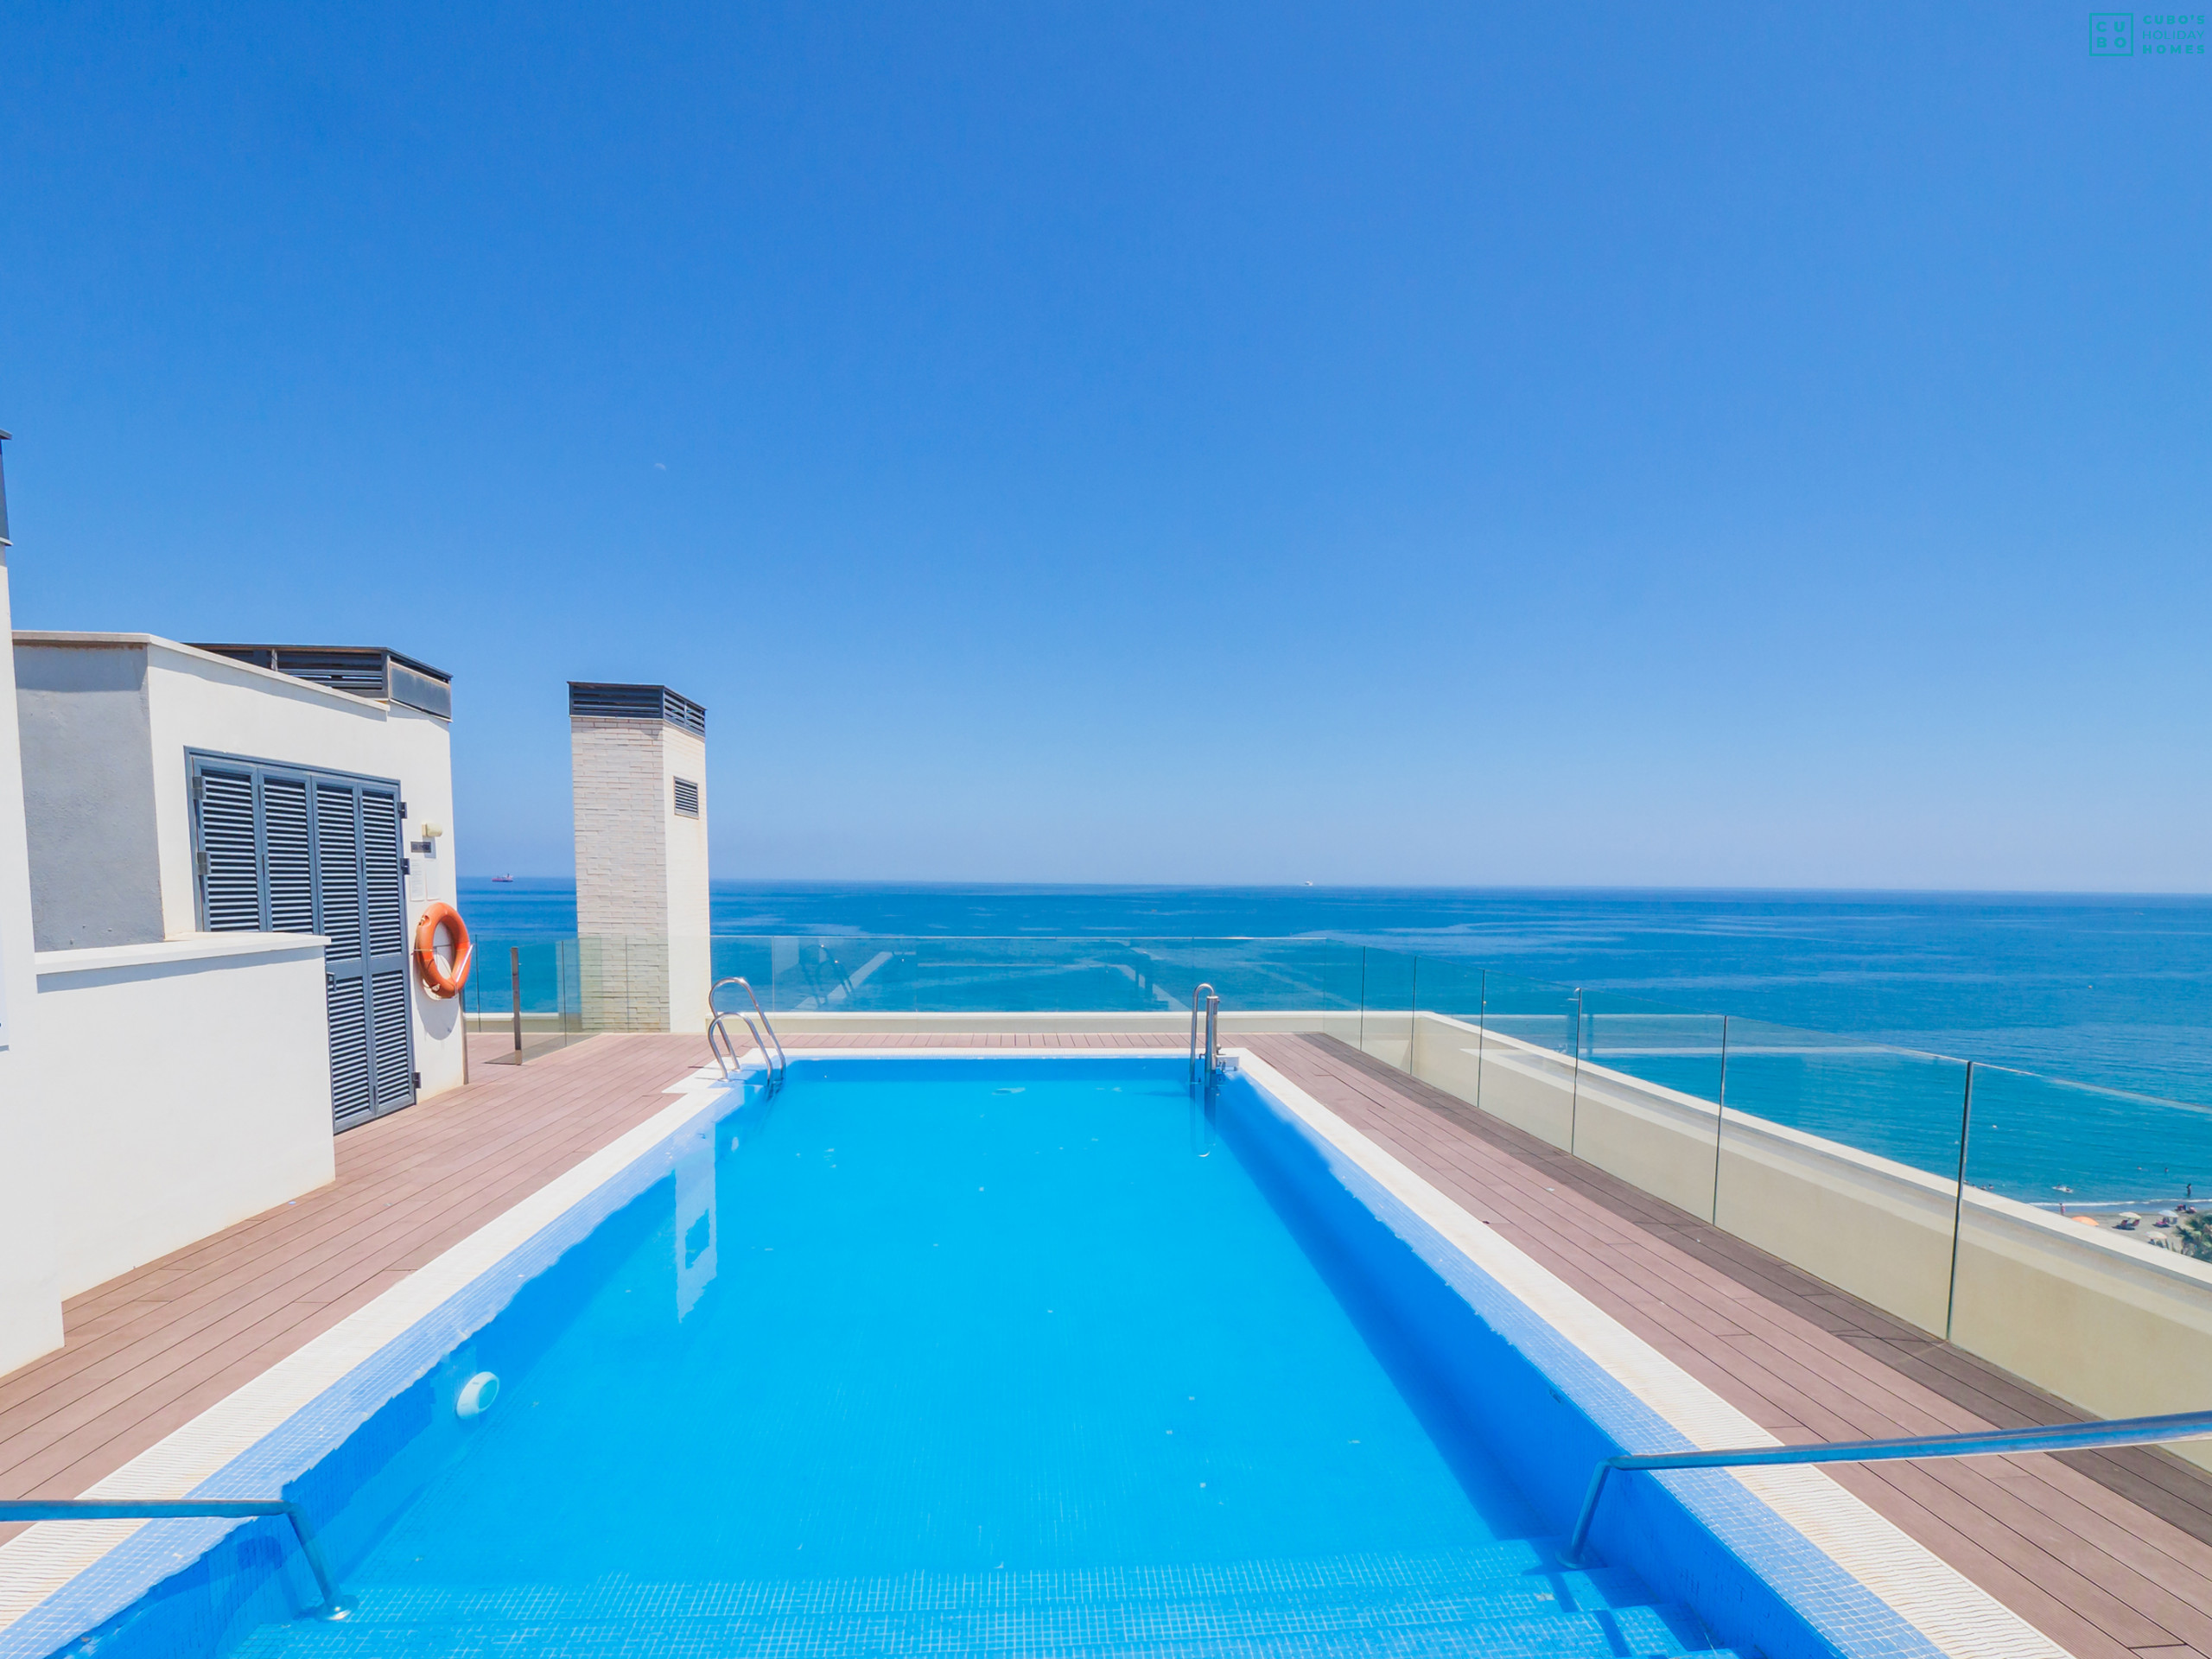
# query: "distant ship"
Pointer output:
{"type": "Point", "coordinates": [503, 878]}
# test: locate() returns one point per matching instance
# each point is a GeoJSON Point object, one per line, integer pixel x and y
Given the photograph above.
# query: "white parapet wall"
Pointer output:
{"type": "Point", "coordinates": [185, 1086]}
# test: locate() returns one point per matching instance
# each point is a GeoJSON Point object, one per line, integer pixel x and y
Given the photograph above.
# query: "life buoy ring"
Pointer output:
{"type": "Point", "coordinates": [442, 982]}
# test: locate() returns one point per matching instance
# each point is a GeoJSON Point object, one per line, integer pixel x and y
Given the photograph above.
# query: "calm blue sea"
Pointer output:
{"type": "Point", "coordinates": [2112, 991]}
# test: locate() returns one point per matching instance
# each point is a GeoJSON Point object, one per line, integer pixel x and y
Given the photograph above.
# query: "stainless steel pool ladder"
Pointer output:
{"type": "Point", "coordinates": [725, 1051]}
{"type": "Point", "coordinates": [1212, 1006]}
{"type": "Point", "coordinates": [144, 1509]}
{"type": "Point", "coordinates": [2057, 1436]}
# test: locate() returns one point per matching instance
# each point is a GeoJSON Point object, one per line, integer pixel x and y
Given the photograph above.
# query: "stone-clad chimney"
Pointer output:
{"type": "Point", "coordinates": [639, 753]}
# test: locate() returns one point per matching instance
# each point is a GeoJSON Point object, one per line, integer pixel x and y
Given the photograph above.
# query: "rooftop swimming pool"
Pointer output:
{"type": "Point", "coordinates": [1025, 1355]}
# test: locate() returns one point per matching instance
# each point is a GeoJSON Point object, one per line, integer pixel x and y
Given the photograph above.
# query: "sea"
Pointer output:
{"type": "Point", "coordinates": [2111, 991]}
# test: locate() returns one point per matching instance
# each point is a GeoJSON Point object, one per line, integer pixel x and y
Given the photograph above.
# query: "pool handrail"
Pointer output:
{"type": "Point", "coordinates": [777, 1067]}
{"type": "Point", "coordinates": [2050, 1437]}
{"type": "Point", "coordinates": [1205, 995]}
{"type": "Point", "coordinates": [163, 1508]}
{"type": "Point", "coordinates": [724, 1048]}
{"type": "Point", "coordinates": [1198, 1000]}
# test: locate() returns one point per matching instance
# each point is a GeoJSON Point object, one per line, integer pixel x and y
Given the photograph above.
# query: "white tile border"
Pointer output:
{"type": "Point", "coordinates": [1954, 1613]}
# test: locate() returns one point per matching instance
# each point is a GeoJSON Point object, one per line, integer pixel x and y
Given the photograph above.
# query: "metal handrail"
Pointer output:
{"type": "Point", "coordinates": [1198, 1001]}
{"type": "Point", "coordinates": [719, 1045]}
{"type": "Point", "coordinates": [781, 1064]}
{"type": "Point", "coordinates": [725, 1054]}
{"type": "Point", "coordinates": [141, 1508]}
{"type": "Point", "coordinates": [2057, 1436]}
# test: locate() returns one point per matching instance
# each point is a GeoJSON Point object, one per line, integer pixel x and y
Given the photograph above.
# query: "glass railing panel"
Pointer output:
{"type": "Point", "coordinates": [624, 983]}
{"type": "Point", "coordinates": [528, 974]}
{"type": "Point", "coordinates": [1386, 1021]}
{"type": "Point", "coordinates": [1895, 1102]}
{"type": "Point", "coordinates": [751, 958]}
{"type": "Point", "coordinates": [1647, 1086]}
{"type": "Point", "coordinates": [1448, 1027]}
{"type": "Point", "coordinates": [2048, 1160]}
{"type": "Point", "coordinates": [1530, 1040]}
{"type": "Point", "coordinates": [1034, 975]}
{"type": "Point", "coordinates": [1344, 990]}
{"type": "Point", "coordinates": [865, 974]}
{"type": "Point", "coordinates": [810, 974]}
{"type": "Point", "coordinates": [1842, 1156]}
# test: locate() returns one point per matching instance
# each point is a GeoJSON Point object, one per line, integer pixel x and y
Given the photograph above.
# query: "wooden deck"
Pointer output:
{"type": "Point", "coordinates": [2109, 1554]}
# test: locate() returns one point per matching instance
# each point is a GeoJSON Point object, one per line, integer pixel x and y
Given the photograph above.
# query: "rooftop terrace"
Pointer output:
{"type": "Point", "coordinates": [2109, 1554]}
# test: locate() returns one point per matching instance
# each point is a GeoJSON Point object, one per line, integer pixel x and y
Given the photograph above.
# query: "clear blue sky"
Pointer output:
{"type": "Point", "coordinates": [1605, 443]}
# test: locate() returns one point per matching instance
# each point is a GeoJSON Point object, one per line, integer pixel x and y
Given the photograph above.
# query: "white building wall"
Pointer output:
{"type": "Point", "coordinates": [683, 754]}
{"type": "Point", "coordinates": [641, 874]}
{"type": "Point", "coordinates": [196, 700]}
{"type": "Point", "coordinates": [88, 796]}
{"type": "Point", "coordinates": [30, 1293]}
{"type": "Point", "coordinates": [622, 875]}
{"type": "Point", "coordinates": [186, 1087]}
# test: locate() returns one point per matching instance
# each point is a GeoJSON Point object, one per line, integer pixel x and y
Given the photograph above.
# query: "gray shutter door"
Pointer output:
{"type": "Point", "coordinates": [285, 850]}
{"type": "Point", "coordinates": [230, 861]}
{"type": "Point", "coordinates": [390, 1032]}
{"type": "Point", "coordinates": [338, 906]}
{"type": "Point", "coordinates": [289, 852]}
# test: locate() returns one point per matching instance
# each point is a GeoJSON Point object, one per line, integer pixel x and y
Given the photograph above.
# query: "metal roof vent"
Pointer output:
{"type": "Point", "coordinates": [369, 671]}
{"type": "Point", "coordinates": [600, 700]}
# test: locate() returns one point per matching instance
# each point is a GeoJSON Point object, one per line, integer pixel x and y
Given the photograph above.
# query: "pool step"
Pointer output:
{"type": "Point", "coordinates": [1503, 1602]}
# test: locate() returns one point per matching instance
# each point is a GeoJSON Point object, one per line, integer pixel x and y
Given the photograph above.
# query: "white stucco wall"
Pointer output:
{"type": "Point", "coordinates": [194, 699]}
{"type": "Point", "coordinates": [186, 1086]}
{"type": "Point", "coordinates": [31, 1295]}
{"type": "Point", "coordinates": [683, 754]}
{"type": "Point", "coordinates": [88, 797]}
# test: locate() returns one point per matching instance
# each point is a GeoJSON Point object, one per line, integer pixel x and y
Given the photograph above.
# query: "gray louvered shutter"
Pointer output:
{"type": "Point", "coordinates": [338, 906]}
{"type": "Point", "coordinates": [230, 864]}
{"type": "Point", "coordinates": [289, 852]}
{"type": "Point", "coordinates": [391, 1036]}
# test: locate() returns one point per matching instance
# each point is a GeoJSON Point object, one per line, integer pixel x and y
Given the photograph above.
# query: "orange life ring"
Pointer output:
{"type": "Point", "coordinates": [442, 982]}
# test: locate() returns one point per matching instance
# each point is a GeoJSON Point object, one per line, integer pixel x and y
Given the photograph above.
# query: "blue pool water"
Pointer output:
{"type": "Point", "coordinates": [937, 1356]}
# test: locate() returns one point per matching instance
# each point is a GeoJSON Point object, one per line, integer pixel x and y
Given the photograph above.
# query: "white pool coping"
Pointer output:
{"type": "Point", "coordinates": [1950, 1612]}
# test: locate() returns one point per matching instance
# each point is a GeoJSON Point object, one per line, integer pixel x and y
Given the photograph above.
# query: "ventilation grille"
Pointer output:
{"type": "Point", "coordinates": [596, 699]}
{"type": "Point", "coordinates": [687, 798]}
{"type": "Point", "coordinates": [364, 670]}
